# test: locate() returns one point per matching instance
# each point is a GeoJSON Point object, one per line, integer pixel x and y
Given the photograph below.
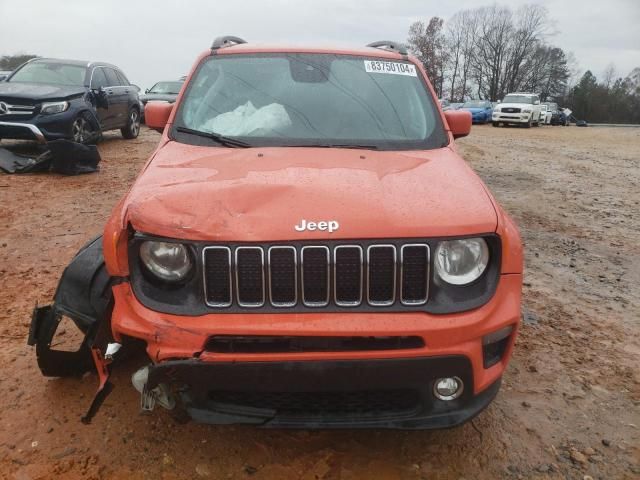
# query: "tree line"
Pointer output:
{"type": "Point", "coordinates": [608, 101]}
{"type": "Point", "coordinates": [487, 52]}
{"type": "Point", "coordinates": [11, 62]}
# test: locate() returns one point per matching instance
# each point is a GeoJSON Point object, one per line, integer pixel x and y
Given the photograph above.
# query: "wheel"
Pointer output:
{"type": "Point", "coordinates": [82, 130]}
{"type": "Point", "coordinates": [132, 129]}
{"type": "Point", "coordinates": [528, 124]}
{"type": "Point", "coordinates": [495, 124]}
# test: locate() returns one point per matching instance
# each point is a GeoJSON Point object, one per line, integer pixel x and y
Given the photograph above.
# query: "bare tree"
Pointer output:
{"type": "Point", "coordinates": [470, 26]}
{"type": "Point", "coordinates": [609, 75]}
{"type": "Point", "coordinates": [529, 26]}
{"type": "Point", "coordinates": [492, 50]}
{"type": "Point", "coordinates": [454, 40]}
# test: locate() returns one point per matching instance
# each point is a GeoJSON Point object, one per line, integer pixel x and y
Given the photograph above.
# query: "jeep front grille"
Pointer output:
{"type": "Point", "coordinates": [314, 276]}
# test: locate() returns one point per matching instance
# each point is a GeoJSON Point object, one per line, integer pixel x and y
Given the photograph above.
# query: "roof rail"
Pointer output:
{"type": "Point", "coordinates": [389, 45]}
{"type": "Point", "coordinates": [226, 41]}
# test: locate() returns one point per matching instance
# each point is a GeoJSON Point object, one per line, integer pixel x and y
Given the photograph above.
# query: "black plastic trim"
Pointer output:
{"type": "Point", "coordinates": [226, 41]}
{"type": "Point", "coordinates": [189, 299]}
{"type": "Point", "coordinates": [196, 379]}
{"type": "Point", "coordinates": [390, 45]}
{"type": "Point", "coordinates": [298, 344]}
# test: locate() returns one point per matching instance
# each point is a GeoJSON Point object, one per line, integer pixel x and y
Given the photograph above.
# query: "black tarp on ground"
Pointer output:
{"type": "Point", "coordinates": [59, 156]}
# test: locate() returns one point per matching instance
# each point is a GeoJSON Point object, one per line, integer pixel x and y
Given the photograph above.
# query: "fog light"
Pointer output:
{"type": "Point", "coordinates": [448, 388]}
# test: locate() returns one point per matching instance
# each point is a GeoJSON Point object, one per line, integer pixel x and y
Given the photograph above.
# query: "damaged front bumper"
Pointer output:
{"type": "Point", "coordinates": [385, 393]}
{"type": "Point", "coordinates": [24, 131]}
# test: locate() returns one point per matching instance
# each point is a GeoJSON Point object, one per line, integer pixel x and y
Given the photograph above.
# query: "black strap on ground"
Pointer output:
{"type": "Point", "coordinates": [105, 387]}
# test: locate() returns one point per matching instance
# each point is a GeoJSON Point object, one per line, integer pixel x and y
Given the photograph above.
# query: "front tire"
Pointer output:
{"type": "Point", "coordinates": [495, 124]}
{"type": "Point", "coordinates": [82, 131]}
{"type": "Point", "coordinates": [529, 123]}
{"type": "Point", "coordinates": [132, 129]}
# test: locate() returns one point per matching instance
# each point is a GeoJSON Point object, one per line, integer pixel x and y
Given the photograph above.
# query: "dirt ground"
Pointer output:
{"type": "Point", "coordinates": [570, 402]}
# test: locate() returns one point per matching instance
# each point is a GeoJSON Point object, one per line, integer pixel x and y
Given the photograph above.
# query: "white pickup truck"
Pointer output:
{"type": "Point", "coordinates": [518, 108]}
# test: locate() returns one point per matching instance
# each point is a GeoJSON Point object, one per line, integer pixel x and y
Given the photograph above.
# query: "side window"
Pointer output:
{"type": "Point", "coordinates": [122, 78]}
{"type": "Point", "coordinates": [112, 78]}
{"type": "Point", "coordinates": [98, 79]}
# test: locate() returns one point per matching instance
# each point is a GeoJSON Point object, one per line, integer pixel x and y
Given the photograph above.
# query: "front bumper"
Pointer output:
{"type": "Point", "coordinates": [21, 131]}
{"type": "Point", "coordinates": [41, 128]}
{"type": "Point", "coordinates": [453, 346]}
{"type": "Point", "coordinates": [510, 117]}
{"type": "Point", "coordinates": [389, 393]}
{"type": "Point", "coordinates": [480, 118]}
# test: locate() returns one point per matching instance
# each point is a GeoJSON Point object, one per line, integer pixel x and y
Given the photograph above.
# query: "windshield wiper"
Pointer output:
{"type": "Point", "coordinates": [216, 137]}
{"type": "Point", "coordinates": [335, 145]}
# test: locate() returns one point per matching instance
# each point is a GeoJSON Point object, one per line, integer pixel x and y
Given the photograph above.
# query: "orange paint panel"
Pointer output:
{"type": "Point", "coordinates": [175, 336]}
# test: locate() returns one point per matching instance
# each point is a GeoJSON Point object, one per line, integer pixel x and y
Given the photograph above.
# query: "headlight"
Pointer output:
{"type": "Point", "coordinates": [54, 107]}
{"type": "Point", "coordinates": [170, 262]}
{"type": "Point", "coordinates": [460, 262]}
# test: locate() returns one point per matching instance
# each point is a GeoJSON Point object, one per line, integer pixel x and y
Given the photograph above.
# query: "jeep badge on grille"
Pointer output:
{"type": "Point", "coordinates": [331, 226]}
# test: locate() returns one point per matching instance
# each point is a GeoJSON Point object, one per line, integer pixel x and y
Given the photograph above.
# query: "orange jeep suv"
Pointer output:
{"type": "Point", "coordinates": [304, 248]}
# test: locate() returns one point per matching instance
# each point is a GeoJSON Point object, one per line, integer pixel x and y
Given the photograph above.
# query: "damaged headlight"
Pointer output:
{"type": "Point", "coordinates": [54, 107]}
{"type": "Point", "coordinates": [460, 262]}
{"type": "Point", "coordinates": [170, 262]}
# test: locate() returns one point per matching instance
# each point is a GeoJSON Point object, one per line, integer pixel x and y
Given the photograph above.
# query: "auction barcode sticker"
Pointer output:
{"type": "Point", "coordinates": [394, 68]}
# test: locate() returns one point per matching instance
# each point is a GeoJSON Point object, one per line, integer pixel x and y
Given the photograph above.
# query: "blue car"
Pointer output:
{"type": "Point", "coordinates": [481, 110]}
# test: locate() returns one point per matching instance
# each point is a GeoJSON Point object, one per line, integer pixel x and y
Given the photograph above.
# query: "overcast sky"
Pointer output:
{"type": "Point", "coordinates": [159, 40]}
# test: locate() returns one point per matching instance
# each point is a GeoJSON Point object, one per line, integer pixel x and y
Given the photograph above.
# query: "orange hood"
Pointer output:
{"type": "Point", "coordinates": [260, 194]}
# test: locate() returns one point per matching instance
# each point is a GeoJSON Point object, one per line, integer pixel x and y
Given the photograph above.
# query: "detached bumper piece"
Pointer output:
{"type": "Point", "coordinates": [389, 393]}
{"type": "Point", "coordinates": [58, 156]}
{"type": "Point", "coordinates": [84, 296]}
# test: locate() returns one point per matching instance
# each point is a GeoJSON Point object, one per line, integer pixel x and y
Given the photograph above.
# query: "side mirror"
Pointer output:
{"type": "Point", "coordinates": [146, 91]}
{"type": "Point", "coordinates": [101, 98]}
{"type": "Point", "coordinates": [156, 115]}
{"type": "Point", "coordinates": [459, 122]}
{"type": "Point", "coordinates": [537, 102]}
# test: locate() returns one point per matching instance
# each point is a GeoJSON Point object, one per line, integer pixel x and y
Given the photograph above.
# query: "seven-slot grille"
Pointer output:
{"type": "Point", "coordinates": [316, 276]}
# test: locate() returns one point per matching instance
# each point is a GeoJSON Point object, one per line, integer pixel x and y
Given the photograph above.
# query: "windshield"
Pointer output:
{"type": "Point", "coordinates": [518, 99]}
{"type": "Point", "coordinates": [475, 104]}
{"type": "Point", "coordinates": [50, 74]}
{"type": "Point", "coordinates": [311, 100]}
{"type": "Point", "coordinates": [166, 87]}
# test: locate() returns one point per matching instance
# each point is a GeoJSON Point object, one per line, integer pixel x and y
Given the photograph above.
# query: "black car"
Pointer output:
{"type": "Point", "coordinates": [49, 99]}
{"type": "Point", "coordinates": [558, 116]}
{"type": "Point", "coordinates": [166, 91]}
